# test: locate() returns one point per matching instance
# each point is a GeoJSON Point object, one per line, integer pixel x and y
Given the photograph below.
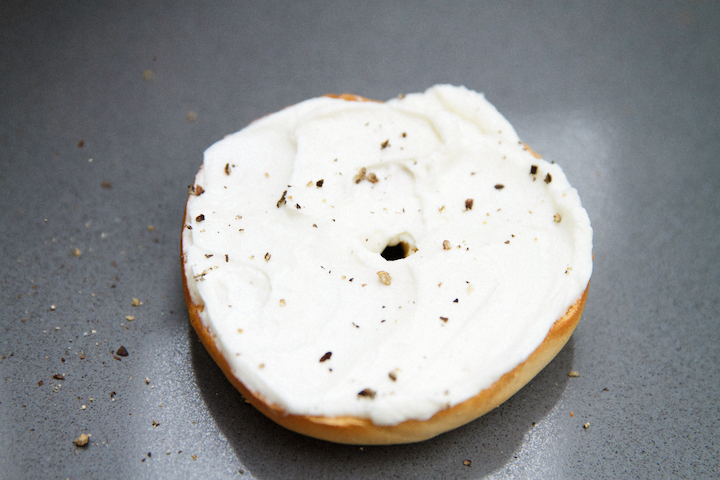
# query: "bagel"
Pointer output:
{"type": "Point", "coordinates": [382, 272]}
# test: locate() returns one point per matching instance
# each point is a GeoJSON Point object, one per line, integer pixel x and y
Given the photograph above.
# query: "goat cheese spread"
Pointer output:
{"type": "Point", "coordinates": [286, 239]}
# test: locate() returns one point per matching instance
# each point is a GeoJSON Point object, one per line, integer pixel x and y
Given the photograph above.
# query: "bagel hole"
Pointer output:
{"type": "Point", "coordinates": [396, 252]}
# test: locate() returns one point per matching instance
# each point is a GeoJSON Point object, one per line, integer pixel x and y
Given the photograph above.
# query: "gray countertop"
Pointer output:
{"type": "Point", "coordinates": [106, 108]}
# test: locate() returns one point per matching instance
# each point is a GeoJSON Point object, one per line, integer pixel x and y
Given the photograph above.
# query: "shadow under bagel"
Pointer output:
{"type": "Point", "coordinates": [269, 450]}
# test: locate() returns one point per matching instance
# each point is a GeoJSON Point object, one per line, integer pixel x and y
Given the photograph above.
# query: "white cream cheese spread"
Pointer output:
{"type": "Point", "coordinates": [284, 239]}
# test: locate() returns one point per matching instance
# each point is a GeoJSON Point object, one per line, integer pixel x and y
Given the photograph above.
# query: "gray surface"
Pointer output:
{"type": "Point", "coordinates": [625, 97]}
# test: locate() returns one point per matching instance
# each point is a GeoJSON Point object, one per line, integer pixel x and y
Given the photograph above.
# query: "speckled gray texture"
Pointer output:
{"type": "Point", "coordinates": [626, 97]}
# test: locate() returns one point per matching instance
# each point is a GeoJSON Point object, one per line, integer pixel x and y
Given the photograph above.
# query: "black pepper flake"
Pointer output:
{"type": "Point", "coordinates": [360, 175]}
{"type": "Point", "coordinates": [319, 183]}
{"type": "Point", "coordinates": [106, 185]}
{"type": "Point", "coordinates": [455, 301]}
{"type": "Point", "coordinates": [200, 218]}
{"type": "Point", "coordinates": [444, 319]}
{"type": "Point", "coordinates": [507, 241]}
{"type": "Point", "coordinates": [227, 258]}
{"type": "Point", "coordinates": [533, 169]}
{"type": "Point", "coordinates": [325, 357]}
{"type": "Point", "coordinates": [367, 393]}
{"type": "Point", "coordinates": [58, 376]}
{"type": "Point", "coordinates": [393, 376]}
{"type": "Point", "coordinates": [122, 351]}
{"type": "Point", "coordinates": [315, 225]}
{"type": "Point", "coordinates": [385, 144]}
{"type": "Point", "coordinates": [298, 206]}
{"type": "Point", "coordinates": [227, 169]}
{"type": "Point", "coordinates": [41, 383]}
{"type": "Point", "coordinates": [281, 202]}
{"type": "Point", "coordinates": [469, 204]}
{"type": "Point", "coordinates": [548, 178]}
{"type": "Point", "coordinates": [499, 186]}
{"type": "Point", "coordinates": [196, 190]}
{"type": "Point", "coordinates": [404, 134]}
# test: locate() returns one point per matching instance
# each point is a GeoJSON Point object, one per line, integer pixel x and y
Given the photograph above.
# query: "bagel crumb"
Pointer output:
{"type": "Point", "coordinates": [267, 257]}
{"type": "Point", "coordinates": [446, 245]}
{"type": "Point", "coordinates": [574, 373]}
{"type": "Point", "coordinates": [467, 463]}
{"type": "Point", "coordinates": [135, 302]}
{"type": "Point", "coordinates": [367, 393]}
{"type": "Point", "coordinates": [392, 376]}
{"type": "Point", "coordinates": [384, 277]}
{"type": "Point", "coordinates": [499, 186]}
{"type": "Point", "coordinates": [227, 169]}
{"type": "Point", "coordinates": [444, 319]}
{"type": "Point", "coordinates": [372, 178]}
{"type": "Point", "coordinates": [385, 144]}
{"type": "Point", "coordinates": [572, 414]}
{"type": "Point", "coordinates": [82, 440]}
{"type": "Point", "coordinates": [282, 302]}
{"type": "Point", "coordinates": [557, 218]}
{"type": "Point", "coordinates": [586, 426]}
{"type": "Point", "coordinates": [469, 204]}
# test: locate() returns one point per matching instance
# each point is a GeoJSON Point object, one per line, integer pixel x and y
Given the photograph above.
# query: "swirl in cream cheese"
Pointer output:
{"type": "Point", "coordinates": [284, 246]}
